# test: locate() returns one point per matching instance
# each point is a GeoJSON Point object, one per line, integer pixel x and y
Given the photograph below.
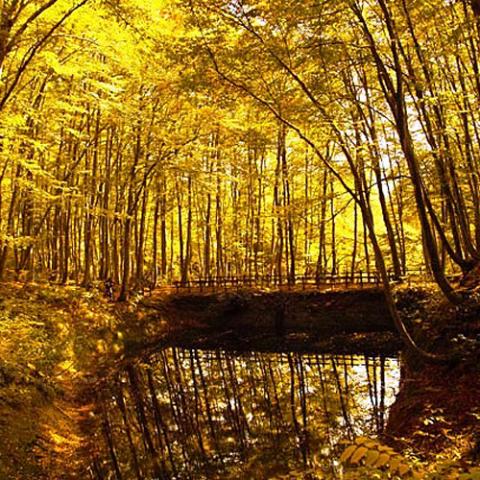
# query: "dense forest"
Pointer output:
{"type": "Point", "coordinates": [152, 144]}
{"type": "Point", "coordinates": [154, 141]}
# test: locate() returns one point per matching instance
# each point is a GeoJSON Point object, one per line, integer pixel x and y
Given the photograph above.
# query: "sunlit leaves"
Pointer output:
{"type": "Point", "coordinates": [373, 454]}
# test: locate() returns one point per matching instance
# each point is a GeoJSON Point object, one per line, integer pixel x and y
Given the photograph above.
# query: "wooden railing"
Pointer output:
{"type": "Point", "coordinates": [359, 279]}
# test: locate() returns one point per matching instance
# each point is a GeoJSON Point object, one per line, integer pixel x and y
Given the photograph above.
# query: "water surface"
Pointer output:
{"type": "Point", "coordinates": [192, 414]}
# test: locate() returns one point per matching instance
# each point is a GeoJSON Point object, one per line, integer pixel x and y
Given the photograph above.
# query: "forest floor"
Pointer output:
{"type": "Point", "coordinates": [56, 343]}
{"type": "Point", "coordinates": [436, 414]}
{"type": "Point", "coordinates": [52, 342]}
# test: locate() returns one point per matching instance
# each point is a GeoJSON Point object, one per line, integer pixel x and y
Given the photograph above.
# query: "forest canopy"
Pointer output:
{"type": "Point", "coordinates": [156, 141]}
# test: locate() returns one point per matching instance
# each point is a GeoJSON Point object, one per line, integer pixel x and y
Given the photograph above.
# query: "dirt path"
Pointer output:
{"type": "Point", "coordinates": [54, 341]}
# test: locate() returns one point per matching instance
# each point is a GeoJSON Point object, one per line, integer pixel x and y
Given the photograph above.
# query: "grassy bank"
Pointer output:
{"type": "Point", "coordinates": [52, 340]}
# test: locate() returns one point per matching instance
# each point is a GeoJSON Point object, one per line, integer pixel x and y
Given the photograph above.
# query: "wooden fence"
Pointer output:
{"type": "Point", "coordinates": [358, 279]}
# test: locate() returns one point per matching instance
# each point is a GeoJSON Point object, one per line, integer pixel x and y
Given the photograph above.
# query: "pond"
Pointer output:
{"type": "Point", "coordinates": [195, 414]}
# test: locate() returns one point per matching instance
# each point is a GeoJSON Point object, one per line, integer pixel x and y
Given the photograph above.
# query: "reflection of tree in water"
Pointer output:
{"type": "Point", "coordinates": [193, 414]}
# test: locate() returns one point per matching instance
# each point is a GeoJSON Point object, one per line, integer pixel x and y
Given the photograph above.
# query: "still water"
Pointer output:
{"type": "Point", "coordinates": [191, 414]}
